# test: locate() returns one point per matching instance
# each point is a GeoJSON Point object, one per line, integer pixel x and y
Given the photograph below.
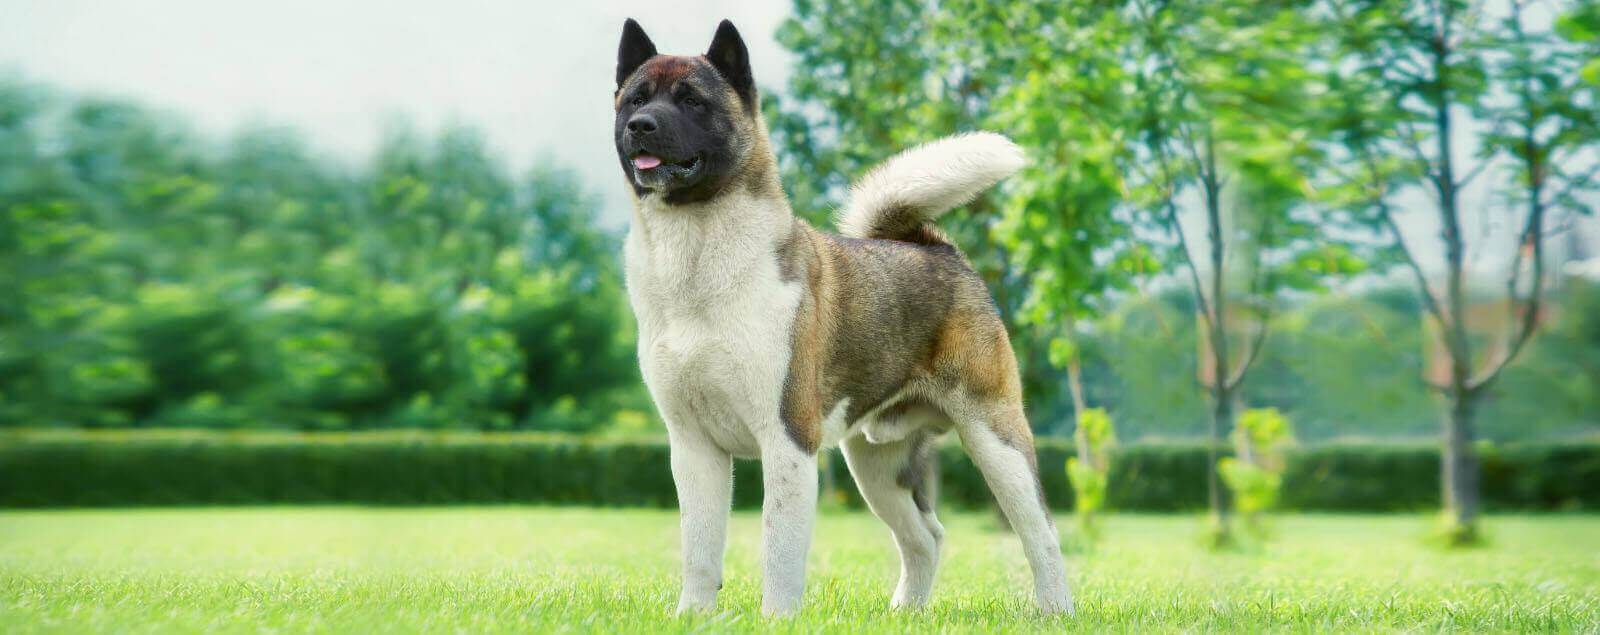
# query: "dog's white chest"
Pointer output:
{"type": "Point", "coordinates": [714, 337]}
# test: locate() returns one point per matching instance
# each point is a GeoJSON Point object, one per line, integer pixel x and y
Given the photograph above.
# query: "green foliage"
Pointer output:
{"type": "Point", "coordinates": [171, 467]}
{"type": "Point", "coordinates": [1088, 487]}
{"type": "Point", "coordinates": [1255, 475]}
{"type": "Point", "coordinates": [1139, 364]}
{"type": "Point", "coordinates": [1095, 429]}
{"type": "Point", "coordinates": [152, 278]}
{"type": "Point", "coordinates": [1087, 472]}
{"type": "Point", "coordinates": [1401, 75]}
{"type": "Point", "coordinates": [1255, 488]}
{"type": "Point", "coordinates": [1266, 431]}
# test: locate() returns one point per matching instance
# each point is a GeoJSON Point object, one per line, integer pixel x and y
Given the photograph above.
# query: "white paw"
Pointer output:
{"type": "Point", "coordinates": [1060, 605]}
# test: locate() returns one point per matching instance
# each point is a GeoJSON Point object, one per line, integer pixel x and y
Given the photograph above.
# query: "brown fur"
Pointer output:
{"type": "Point", "coordinates": [879, 316]}
{"type": "Point", "coordinates": [907, 225]}
{"type": "Point", "coordinates": [666, 70]}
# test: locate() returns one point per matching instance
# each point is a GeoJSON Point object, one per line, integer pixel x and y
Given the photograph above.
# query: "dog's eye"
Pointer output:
{"type": "Point", "coordinates": [691, 102]}
{"type": "Point", "coordinates": [638, 101]}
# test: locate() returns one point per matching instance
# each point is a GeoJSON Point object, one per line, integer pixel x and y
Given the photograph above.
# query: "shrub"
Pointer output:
{"type": "Point", "coordinates": [194, 467]}
{"type": "Point", "coordinates": [1255, 476]}
{"type": "Point", "coordinates": [1087, 471]}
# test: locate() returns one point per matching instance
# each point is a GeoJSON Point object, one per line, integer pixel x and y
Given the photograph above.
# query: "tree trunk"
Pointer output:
{"type": "Point", "coordinates": [1221, 419]}
{"type": "Point", "coordinates": [1458, 466]}
{"type": "Point", "coordinates": [1075, 387]}
{"type": "Point", "coordinates": [1221, 390]}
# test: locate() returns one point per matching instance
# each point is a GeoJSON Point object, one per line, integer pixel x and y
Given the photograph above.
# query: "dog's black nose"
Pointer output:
{"type": "Point", "coordinates": [642, 124]}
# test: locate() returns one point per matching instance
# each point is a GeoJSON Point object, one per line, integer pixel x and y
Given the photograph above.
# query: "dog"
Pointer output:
{"type": "Point", "coordinates": [761, 337]}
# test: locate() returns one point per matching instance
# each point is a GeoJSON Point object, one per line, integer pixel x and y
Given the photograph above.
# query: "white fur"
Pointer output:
{"type": "Point", "coordinates": [835, 426]}
{"type": "Point", "coordinates": [1011, 479]}
{"type": "Point", "coordinates": [875, 469]}
{"type": "Point", "coordinates": [714, 323]}
{"type": "Point", "coordinates": [714, 315]}
{"type": "Point", "coordinates": [930, 179]}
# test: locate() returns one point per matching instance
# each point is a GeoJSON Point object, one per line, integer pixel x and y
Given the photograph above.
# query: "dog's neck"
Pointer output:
{"type": "Point", "coordinates": [708, 248]}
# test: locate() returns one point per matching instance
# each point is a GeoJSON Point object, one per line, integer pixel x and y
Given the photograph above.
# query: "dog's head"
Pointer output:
{"type": "Point", "coordinates": [684, 124]}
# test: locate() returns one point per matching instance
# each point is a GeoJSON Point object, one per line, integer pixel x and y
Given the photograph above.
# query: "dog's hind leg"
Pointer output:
{"type": "Point", "coordinates": [703, 474]}
{"type": "Point", "coordinates": [789, 505]}
{"type": "Point", "coordinates": [895, 480]}
{"type": "Point", "coordinates": [995, 433]}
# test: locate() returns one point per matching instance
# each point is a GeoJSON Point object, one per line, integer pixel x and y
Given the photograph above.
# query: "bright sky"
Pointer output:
{"type": "Point", "coordinates": [537, 77]}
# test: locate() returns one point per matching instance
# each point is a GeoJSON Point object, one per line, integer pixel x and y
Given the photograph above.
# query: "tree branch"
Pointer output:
{"type": "Point", "coordinates": [1256, 344]}
{"type": "Point", "coordinates": [1472, 174]}
{"type": "Point", "coordinates": [1387, 216]}
{"type": "Point", "coordinates": [1430, 300]}
{"type": "Point", "coordinates": [1169, 183]}
{"type": "Point", "coordinates": [1260, 285]}
{"type": "Point", "coordinates": [1188, 259]}
{"type": "Point", "coordinates": [1534, 234]}
{"type": "Point", "coordinates": [1411, 143]}
{"type": "Point", "coordinates": [1572, 185]}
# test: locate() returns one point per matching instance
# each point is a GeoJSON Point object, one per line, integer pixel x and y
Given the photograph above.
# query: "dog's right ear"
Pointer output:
{"type": "Point", "coordinates": [635, 49]}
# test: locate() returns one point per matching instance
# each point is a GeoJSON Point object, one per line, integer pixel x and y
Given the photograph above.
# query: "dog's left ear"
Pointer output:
{"type": "Point", "coordinates": [635, 49]}
{"type": "Point", "coordinates": [729, 56]}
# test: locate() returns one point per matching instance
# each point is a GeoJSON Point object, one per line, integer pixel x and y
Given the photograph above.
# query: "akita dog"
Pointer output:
{"type": "Point", "coordinates": [762, 337]}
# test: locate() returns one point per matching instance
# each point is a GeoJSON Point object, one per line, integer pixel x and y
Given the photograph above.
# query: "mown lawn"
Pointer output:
{"type": "Point", "coordinates": [541, 569]}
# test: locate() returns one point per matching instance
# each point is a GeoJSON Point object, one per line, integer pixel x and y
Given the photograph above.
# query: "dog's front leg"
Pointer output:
{"type": "Point", "coordinates": [703, 474]}
{"type": "Point", "coordinates": [789, 482]}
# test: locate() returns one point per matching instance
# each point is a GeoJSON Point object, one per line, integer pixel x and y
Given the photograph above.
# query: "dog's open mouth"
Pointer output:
{"type": "Point", "coordinates": [645, 162]}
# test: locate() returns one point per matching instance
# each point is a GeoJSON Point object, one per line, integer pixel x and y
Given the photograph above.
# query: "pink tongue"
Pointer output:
{"type": "Point", "coordinates": [645, 161]}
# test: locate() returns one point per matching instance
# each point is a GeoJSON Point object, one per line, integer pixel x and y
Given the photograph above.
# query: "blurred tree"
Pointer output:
{"type": "Point", "coordinates": [1057, 86]}
{"type": "Point", "coordinates": [1408, 75]}
{"type": "Point", "coordinates": [1255, 473]}
{"type": "Point", "coordinates": [1346, 346]}
{"type": "Point", "coordinates": [154, 278]}
{"type": "Point", "coordinates": [1147, 347]}
{"type": "Point", "coordinates": [1218, 117]}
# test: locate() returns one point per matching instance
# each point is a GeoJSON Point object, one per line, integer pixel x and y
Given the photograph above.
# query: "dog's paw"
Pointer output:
{"type": "Point", "coordinates": [780, 609]}
{"type": "Point", "coordinates": [1057, 606]}
{"type": "Point", "coordinates": [691, 605]}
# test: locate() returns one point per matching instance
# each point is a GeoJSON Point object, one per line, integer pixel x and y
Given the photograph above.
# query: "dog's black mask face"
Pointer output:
{"type": "Point", "coordinates": [683, 123]}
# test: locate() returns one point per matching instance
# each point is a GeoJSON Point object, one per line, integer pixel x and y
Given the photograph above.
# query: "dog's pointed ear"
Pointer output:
{"type": "Point", "coordinates": [729, 56]}
{"type": "Point", "coordinates": [634, 50]}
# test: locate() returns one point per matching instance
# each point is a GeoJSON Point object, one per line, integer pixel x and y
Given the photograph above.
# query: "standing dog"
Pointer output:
{"type": "Point", "coordinates": [762, 337]}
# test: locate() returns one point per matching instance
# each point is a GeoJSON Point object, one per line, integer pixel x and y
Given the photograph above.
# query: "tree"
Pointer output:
{"type": "Point", "coordinates": [1409, 77]}
{"type": "Point", "coordinates": [1058, 91]}
{"type": "Point", "coordinates": [151, 277]}
{"type": "Point", "coordinates": [1218, 118]}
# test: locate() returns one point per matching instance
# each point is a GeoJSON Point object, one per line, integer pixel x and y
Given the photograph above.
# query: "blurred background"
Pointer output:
{"type": "Point", "coordinates": [1365, 218]}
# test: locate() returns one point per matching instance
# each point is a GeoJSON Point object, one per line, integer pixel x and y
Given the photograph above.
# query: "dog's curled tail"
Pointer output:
{"type": "Point", "coordinates": [900, 198]}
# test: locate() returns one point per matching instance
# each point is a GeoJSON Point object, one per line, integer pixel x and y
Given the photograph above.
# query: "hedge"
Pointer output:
{"type": "Point", "coordinates": [73, 469]}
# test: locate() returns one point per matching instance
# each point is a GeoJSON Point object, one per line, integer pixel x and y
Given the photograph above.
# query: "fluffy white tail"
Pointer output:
{"type": "Point", "coordinates": [898, 198]}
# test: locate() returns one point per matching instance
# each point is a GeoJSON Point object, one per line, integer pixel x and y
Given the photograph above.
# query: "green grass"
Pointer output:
{"type": "Point", "coordinates": [538, 569]}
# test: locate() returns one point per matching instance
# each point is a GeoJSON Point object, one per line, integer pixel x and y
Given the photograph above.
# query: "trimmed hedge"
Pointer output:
{"type": "Point", "coordinates": [71, 468]}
